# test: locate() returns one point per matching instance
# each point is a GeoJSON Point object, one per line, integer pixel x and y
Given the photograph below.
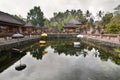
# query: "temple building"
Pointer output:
{"type": "Point", "coordinates": [29, 28]}
{"type": "Point", "coordinates": [9, 24]}
{"type": "Point", "coordinates": [71, 26]}
{"type": "Point", "coordinates": [38, 28]}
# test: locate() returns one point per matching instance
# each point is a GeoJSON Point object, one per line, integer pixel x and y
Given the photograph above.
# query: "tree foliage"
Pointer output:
{"type": "Point", "coordinates": [114, 25]}
{"type": "Point", "coordinates": [59, 19]}
{"type": "Point", "coordinates": [88, 14]}
{"type": "Point", "coordinates": [107, 18]}
{"type": "Point", "coordinates": [46, 22]}
{"type": "Point", "coordinates": [100, 15]}
{"type": "Point", "coordinates": [116, 19]}
{"type": "Point", "coordinates": [112, 28]}
{"type": "Point", "coordinates": [35, 16]}
{"type": "Point", "coordinates": [117, 10]}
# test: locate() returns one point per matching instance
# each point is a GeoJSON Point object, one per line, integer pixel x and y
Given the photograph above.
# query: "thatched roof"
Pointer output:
{"type": "Point", "coordinates": [73, 21]}
{"type": "Point", "coordinates": [29, 24]}
{"type": "Point", "coordinates": [38, 26]}
{"type": "Point", "coordinates": [5, 17]}
{"type": "Point", "coordinates": [70, 25]}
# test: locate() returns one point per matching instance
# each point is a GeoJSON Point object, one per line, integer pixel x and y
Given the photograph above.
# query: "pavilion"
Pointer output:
{"type": "Point", "coordinates": [9, 24]}
{"type": "Point", "coordinates": [29, 28]}
{"type": "Point", "coordinates": [38, 28]}
{"type": "Point", "coordinates": [71, 26]}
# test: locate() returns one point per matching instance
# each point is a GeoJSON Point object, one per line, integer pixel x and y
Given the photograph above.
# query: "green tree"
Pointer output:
{"type": "Point", "coordinates": [91, 22]}
{"type": "Point", "coordinates": [100, 15]}
{"type": "Point", "coordinates": [46, 22]}
{"type": "Point", "coordinates": [89, 19]}
{"type": "Point", "coordinates": [112, 28]}
{"type": "Point", "coordinates": [59, 19]}
{"type": "Point", "coordinates": [35, 16]}
{"type": "Point", "coordinates": [115, 19]}
{"type": "Point", "coordinates": [107, 18]}
{"type": "Point", "coordinates": [87, 14]}
{"type": "Point", "coordinates": [117, 10]}
{"type": "Point", "coordinates": [113, 22]}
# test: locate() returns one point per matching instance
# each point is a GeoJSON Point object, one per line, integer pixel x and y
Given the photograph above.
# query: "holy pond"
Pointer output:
{"type": "Point", "coordinates": [60, 60]}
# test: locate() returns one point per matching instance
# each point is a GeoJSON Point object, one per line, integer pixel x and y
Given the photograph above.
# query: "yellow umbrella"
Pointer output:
{"type": "Point", "coordinates": [44, 52]}
{"type": "Point", "coordinates": [42, 42]}
{"type": "Point", "coordinates": [42, 45]}
{"type": "Point", "coordinates": [44, 35]}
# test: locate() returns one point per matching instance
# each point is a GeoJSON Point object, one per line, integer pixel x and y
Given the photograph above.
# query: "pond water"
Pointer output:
{"type": "Point", "coordinates": [60, 60]}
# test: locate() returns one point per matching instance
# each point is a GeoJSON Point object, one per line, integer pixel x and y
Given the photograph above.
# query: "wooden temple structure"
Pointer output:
{"type": "Point", "coordinates": [54, 29]}
{"type": "Point", "coordinates": [38, 28]}
{"type": "Point", "coordinates": [71, 26]}
{"type": "Point", "coordinates": [44, 29]}
{"type": "Point", "coordinates": [9, 24]}
{"type": "Point", "coordinates": [29, 28]}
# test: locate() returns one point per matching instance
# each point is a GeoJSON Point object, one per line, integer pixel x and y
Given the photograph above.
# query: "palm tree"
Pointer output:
{"type": "Point", "coordinates": [100, 15]}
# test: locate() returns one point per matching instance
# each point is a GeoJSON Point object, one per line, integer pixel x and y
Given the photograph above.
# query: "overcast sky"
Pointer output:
{"type": "Point", "coordinates": [22, 7]}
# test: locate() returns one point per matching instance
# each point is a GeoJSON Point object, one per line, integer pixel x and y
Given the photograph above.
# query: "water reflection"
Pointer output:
{"type": "Point", "coordinates": [39, 51]}
{"type": "Point", "coordinates": [20, 67]}
{"type": "Point", "coordinates": [67, 48]}
{"type": "Point", "coordinates": [63, 61]}
{"type": "Point", "coordinates": [8, 58]}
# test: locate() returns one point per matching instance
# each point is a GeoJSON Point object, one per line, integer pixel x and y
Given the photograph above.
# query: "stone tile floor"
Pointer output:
{"type": "Point", "coordinates": [3, 41]}
{"type": "Point", "coordinates": [106, 39]}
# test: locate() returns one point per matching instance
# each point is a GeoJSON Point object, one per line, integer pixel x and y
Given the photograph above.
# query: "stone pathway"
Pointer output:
{"type": "Point", "coordinates": [3, 41]}
{"type": "Point", "coordinates": [106, 39]}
